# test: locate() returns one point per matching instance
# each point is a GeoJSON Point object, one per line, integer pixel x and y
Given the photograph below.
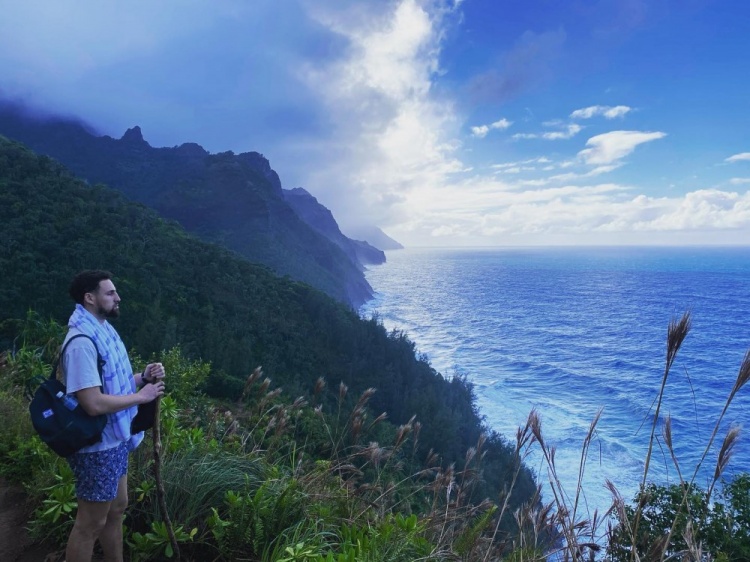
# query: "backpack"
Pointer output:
{"type": "Point", "coordinates": [58, 418]}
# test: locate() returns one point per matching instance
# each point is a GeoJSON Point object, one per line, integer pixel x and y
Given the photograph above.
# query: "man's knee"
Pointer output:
{"type": "Point", "coordinates": [90, 522]}
{"type": "Point", "coordinates": [118, 507]}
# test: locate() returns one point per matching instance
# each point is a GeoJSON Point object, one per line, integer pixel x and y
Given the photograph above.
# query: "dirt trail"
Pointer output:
{"type": "Point", "coordinates": [15, 543]}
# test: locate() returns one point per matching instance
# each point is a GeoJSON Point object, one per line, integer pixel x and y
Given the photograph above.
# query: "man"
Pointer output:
{"type": "Point", "coordinates": [101, 470]}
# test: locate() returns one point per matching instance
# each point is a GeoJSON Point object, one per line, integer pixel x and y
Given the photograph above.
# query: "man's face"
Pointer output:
{"type": "Point", "coordinates": [106, 300]}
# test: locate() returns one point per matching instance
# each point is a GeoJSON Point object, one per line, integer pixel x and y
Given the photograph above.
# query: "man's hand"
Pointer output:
{"type": "Point", "coordinates": [153, 372]}
{"type": "Point", "coordinates": [151, 391]}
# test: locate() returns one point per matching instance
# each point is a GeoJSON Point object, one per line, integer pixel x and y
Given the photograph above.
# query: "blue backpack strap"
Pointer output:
{"type": "Point", "coordinates": [99, 361]}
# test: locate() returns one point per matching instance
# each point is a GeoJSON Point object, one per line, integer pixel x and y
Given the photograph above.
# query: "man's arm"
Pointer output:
{"type": "Point", "coordinates": [83, 380]}
{"type": "Point", "coordinates": [94, 402]}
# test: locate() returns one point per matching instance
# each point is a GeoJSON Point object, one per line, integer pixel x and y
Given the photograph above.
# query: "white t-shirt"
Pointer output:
{"type": "Point", "coordinates": [79, 371]}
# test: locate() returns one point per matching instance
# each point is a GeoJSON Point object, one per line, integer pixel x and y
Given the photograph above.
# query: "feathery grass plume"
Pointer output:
{"type": "Point", "coordinates": [264, 385]}
{"type": "Point", "coordinates": [268, 397]}
{"type": "Point", "coordinates": [375, 454]}
{"type": "Point", "coordinates": [570, 526]}
{"type": "Point", "coordinates": [725, 455]}
{"type": "Point", "coordinates": [524, 438]}
{"type": "Point", "coordinates": [532, 521]}
{"type": "Point", "coordinates": [694, 548]}
{"type": "Point", "coordinates": [584, 457]}
{"type": "Point", "coordinates": [415, 439]}
{"type": "Point", "coordinates": [667, 434]}
{"type": "Point", "coordinates": [742, 376]}
{"type": "Point", "coordinates": [343, 389]}
{"type": "Point", "coordinates": [320, 385]}
{"type": "Point", "coordinates": [254, 376]}
{"type": "Point", "coordinates": [667, 431]}
{"type": "Point", "coordinates": [618, 504]}
{"type": "Point", "coordinates": [364, 398]}
{"type": "Point", "coordinates": [676, 333]}
{"type": "Point", "coordinates": [471, 452]}
{"type": "Point", "coordinates": [432, 460]}
{"type": "Point", "coordinates": [534, 423]}
{"type": "Point", "coordinates": [403, 432]}
{"type": "Point", "coordinates": [380, 418]}
{"type": "Point", "coordinates": [356, 428]}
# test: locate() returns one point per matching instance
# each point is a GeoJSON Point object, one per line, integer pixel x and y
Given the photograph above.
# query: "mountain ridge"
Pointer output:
{"type": "Point", "coordinates": [235, 200]}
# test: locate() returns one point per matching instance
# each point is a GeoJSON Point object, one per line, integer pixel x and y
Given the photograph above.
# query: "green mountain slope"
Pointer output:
{"type": "Point", "coordinates": [235, 200]}
{"type": "Point", "coordinates": [178, 290]}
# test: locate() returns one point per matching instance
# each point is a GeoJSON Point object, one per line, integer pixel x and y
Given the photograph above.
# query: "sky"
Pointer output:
{"type": "Point", "coordinates": [444, 122]}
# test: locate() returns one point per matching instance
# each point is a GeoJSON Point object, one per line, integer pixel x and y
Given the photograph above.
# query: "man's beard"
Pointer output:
{"type": "Point", "coordinates": [113, 312]}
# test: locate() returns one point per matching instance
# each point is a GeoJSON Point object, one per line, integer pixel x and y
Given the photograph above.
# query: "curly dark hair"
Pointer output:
{"type": "Point", "coordinates": [87, 282]}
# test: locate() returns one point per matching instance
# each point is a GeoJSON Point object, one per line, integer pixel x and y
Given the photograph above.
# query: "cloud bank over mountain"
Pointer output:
{"type": "Point", "coordinates": [444, 122]}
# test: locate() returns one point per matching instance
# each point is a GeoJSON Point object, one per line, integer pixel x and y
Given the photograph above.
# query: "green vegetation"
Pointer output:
{"type": "Point", "coordinates": [221, 309]}
{"type": "Point", "coordinates": [211, 307]}
{"type": "Point", "coordinates": [367, 454]}
{"type": "Point", "coordinates": [246, 479]}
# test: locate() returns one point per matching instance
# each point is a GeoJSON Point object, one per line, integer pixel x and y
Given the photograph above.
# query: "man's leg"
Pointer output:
{"type": "Point", "coordinates": [90, 520]}
{"type": "Point", "coordinates": [102, 490]}
{"type": "Point", "coordinates": [111, 535]}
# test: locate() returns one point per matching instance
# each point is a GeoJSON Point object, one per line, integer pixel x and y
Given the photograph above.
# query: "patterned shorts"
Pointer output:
{"type": "Point", "coordinates": [97, 474]}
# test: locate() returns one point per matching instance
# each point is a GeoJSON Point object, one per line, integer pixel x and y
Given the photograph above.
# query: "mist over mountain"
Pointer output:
{"type": "Point", "coordinates": [374, 236]}
{"type": "Point", "coordinates": [235, 200]}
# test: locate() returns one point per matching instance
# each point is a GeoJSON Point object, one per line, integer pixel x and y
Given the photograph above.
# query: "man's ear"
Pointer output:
{"type": "Point", "coordinates": [88, 298]}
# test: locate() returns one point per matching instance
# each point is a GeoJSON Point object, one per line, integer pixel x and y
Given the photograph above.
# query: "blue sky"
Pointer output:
{"type": "Point", "coordinates": [447, 123]}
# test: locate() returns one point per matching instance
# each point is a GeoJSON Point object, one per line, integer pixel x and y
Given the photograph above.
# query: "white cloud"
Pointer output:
{"type": "Point", "coordinates": [738, 157]}
{"type": "Point", "coordinates": [391, 134]}
{"type": "Point", "coordinates": [482, 130]}
{"type": "Point", "coordinates": [569, 131]}
{"type": "Point", "coordinates": [609, 147]}
{"type": "Point", "coordinates": [739, 181]}
{"type": "Point", "coordinates": [599, 170]}
{"type": "Point", "coordinates": [491, 212]}
{"type": "Point", "coordinates": [501, 124]}
{"type": "Point", "coordinates": [522, 163]}
{"type": "Point", "coordinates": [606, 111]}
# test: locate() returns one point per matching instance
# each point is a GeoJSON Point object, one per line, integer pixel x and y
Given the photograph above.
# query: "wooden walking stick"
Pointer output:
{"type": "Point", "coordinates": [159, 483]}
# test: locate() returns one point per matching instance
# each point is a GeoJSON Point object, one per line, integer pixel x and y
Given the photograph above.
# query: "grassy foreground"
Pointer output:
{"type": "Point", "coordinates": [318, 478]}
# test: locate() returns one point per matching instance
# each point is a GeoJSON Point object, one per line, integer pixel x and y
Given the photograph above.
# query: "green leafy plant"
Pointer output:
{"type": "Point", "coordinates": [299, 553]}
{"type": "Point", "coordinates": [54, 518]}
{"type": "Point", "coordinates": [156, 544]}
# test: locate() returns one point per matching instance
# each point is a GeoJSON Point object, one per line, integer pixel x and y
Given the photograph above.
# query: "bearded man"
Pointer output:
{"type": "Point", "coordinates": [101, 470]}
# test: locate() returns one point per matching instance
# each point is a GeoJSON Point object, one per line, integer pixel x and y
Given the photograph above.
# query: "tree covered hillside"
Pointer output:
{"type": "Point", "coordinates": [178, 290]}
{"type": "Point", "coordinates": [235, 200]}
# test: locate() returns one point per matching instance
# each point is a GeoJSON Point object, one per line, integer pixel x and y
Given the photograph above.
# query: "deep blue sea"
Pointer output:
{"type": "Point", "coordinates": [571, 330]}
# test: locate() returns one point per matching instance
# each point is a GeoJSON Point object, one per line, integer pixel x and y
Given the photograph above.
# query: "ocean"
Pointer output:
{"type": "Point", "coordinates": [570, 331]}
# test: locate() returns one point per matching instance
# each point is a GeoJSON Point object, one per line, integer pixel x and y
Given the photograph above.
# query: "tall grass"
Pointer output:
{"type": "Point", "coordinates": [352, 489]}
{"type": "Point", "coordinates": [584, 536]}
